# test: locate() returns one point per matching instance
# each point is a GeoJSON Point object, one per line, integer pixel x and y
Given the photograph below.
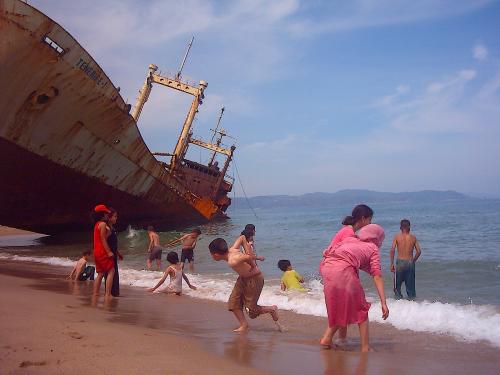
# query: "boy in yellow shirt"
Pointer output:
{"type": "Point", "coordinates": [291, 278]}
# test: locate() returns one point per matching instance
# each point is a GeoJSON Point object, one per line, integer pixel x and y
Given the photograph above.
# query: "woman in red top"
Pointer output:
{"type": "Point", "coordinates": [103, 256]}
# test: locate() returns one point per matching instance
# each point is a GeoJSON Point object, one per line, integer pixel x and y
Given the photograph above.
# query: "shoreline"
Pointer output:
{"type": "Point", "coordinates": [206, 326]}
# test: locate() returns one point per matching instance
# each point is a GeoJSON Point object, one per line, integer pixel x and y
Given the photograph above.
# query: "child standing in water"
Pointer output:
{"type": "Point", "coordinates": [188, 244]}
{"type": "Point", "coordinates": [405, 243]}
{"type": "Point", "coordinates": [154, 248]}
{"type": "Point", "coordinates": [176, 276]}
{"type": "Point", "coordinates": [248, 286]}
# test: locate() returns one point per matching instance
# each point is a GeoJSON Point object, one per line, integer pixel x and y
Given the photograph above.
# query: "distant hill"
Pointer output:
{"type": "Point", "coordinates": [348, 197]}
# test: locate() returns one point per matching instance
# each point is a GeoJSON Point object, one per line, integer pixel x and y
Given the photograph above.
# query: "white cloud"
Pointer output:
{"type": "Point", "coordinates": [480, 52]}
{"type": "Point", "coordinates": [389, 100]}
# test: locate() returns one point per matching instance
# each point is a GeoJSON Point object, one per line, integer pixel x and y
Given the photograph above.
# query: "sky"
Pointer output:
{"type": "Point", "coordinates": [319, 96]}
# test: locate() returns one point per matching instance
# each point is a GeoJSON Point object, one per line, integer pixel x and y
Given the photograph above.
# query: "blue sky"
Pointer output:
{"type": "Point", "coordinates": [321, 95]}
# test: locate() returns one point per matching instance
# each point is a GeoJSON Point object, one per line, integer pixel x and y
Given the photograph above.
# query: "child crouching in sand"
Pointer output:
{"type": "Point", "coordinates": [248, 286]}
{"type": "Point", "coordinates": [176, 276]}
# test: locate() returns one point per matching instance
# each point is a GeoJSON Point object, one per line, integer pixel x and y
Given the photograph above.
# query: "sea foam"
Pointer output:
{"type": "Point", "coordinates": [464, 322]}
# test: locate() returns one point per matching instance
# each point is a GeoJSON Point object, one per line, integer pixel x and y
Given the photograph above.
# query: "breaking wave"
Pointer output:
{"type": "Point", "coordinates": [464, 322]}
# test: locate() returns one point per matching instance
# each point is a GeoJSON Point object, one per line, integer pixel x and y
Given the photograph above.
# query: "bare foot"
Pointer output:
{"type": "Point", "coordinates": [274, 313]}
{"type": "Point", "coordinates": [367, 350]}
{"type": "Point", "coordinates": [242, 328]}
{"type": "Point", "coordinates": [325, 344]}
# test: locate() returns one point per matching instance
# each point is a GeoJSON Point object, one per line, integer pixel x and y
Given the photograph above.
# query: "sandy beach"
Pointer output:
{"type": "Point", "coordinates": [51, 325]}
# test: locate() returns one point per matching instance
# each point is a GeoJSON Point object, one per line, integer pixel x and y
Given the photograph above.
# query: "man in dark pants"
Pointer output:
{"type": "Point", "coordinates": [405, 242]}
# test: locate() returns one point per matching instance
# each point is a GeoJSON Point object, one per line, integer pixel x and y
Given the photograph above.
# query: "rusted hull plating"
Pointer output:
{"type": "Point", "coordinates": [67, 140]}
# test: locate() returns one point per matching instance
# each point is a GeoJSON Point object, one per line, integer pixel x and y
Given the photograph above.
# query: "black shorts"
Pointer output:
{"type": "Point", "coordinates": [155, 253]}
{"type": "Point", "coordinates": [188, 254]}
{"type": "Point", "coordinates": [87, 274]}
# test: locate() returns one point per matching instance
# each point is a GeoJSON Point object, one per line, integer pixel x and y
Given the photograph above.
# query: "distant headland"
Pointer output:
{"type": "Point", "coordinates": [349, 196]}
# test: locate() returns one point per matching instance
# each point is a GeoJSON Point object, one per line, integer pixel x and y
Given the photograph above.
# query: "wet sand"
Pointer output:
{"type": "Point", "coordinates": [12, 236]}
{"type": "Point", "coordinates": [51, 325]}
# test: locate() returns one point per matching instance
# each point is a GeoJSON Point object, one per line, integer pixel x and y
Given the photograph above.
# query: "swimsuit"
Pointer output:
{"type": "Point", "coordinates": [87, 274]}
{"type": "Point", "coordinates": [156, 253]}
{"type": "Point", "coordinates": [175, 285]}
{"type": "Point", "coordinates": [187, 253]}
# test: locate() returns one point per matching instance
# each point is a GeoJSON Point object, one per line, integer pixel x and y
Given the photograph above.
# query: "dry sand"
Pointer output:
{"type": "Point", "coordinates": [53, 326]}
{"type": "Point", "coordinates": [9, 231]}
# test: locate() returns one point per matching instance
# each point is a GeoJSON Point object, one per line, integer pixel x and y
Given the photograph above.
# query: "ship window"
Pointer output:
{"type": "Point", "coordinates": [54, 45]}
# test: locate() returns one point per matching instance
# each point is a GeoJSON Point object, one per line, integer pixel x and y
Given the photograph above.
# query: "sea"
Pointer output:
{"type": "Point", "coordinates": [457, 275]}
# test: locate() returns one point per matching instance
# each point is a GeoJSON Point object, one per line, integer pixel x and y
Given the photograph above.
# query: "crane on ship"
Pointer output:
{"type": "Point", "coordinates": [179, 165]}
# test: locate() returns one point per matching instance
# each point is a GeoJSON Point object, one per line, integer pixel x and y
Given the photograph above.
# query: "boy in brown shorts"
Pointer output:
{"type": "Point", "coordinates": [248, 286]}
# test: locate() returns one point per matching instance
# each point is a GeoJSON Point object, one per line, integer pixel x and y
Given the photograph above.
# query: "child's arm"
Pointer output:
{"type": "Point", "coordinates": [379, 284]}
{"type": "Point", "coordinates": [70, 276]}
{"type": "Point", "coordinates": [283, 286]}
{"type": "Point", "coordinates": [393, 249]}
{"type": "Point", "coordinates": [187, 281]}
{"type": "Point", "coordinates": [247, 247]}
{"type": "Point", "coordinates": [162, 280]}
{"type": "Point", "coordinates": [150, 246]}
{"type": "Point", "coordinates": [300, 278]}
{"type": "Point", "coordinates": [120, 256]}
{"type": "Point", "coordinates": [194, 243]}
{"type": "Point", "coordinates": [250, 259]}
{"type": "Point", "coordinates": [237, 244]}
{"type": "Point", "coordinates": [177, 240]}
{"type": "Point", "coordinates": [79, 269]}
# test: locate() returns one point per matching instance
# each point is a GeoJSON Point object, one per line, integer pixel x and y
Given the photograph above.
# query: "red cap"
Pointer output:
{"type": "Point", "coordinates": [101, 208]}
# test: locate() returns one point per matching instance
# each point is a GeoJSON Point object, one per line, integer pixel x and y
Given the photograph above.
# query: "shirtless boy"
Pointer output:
{"type": "Point", "coordinates": [248, 286]}
{"type": "Point", "coordinates": [188, 245]}
{"type": "Point", "coordinates": [154, 248]}
{"type": "Point", "coordinates": [405, 242]}
{"type": "Point", "coordinates": [81, 271]}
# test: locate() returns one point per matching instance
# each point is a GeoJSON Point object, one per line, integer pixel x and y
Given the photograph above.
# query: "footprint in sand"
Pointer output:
{"type": "Point", "coordinates": [29, 363]}
{"type": "Point", "coordinates": [75, 335]}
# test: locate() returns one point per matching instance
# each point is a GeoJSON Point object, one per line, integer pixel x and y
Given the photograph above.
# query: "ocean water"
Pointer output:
{"type": "Point", "coordinates": [458, 273]}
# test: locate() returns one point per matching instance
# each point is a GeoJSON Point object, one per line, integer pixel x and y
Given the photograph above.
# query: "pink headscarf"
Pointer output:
{"type": "Point", "coordinates": [372, 233]}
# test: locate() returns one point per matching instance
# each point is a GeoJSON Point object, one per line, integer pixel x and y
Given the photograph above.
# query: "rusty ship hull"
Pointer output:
{"type": "Point", "coordinates": [68, 141]}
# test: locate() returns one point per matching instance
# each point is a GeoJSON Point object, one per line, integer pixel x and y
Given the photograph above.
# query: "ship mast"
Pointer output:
{"type": "Point", "coordinates": [144, 93]}
{"type": "Point", "coordinates": [219, 140]}
{"type": "Point", "coordinates": [185, 137]}
{"type": "Point", "coordinates": [179, 73]}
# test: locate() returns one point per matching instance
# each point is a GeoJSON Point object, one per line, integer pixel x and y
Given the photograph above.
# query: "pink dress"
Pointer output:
{"type": "Point", "coordinates": [344, 294]}
{"type": "Point", "coordinates": [342, 234]}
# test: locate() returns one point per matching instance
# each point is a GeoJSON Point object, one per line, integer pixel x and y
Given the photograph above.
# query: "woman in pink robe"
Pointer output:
{"type": "Point", "coordinates": [344, 295]}
{"type": "Point", "coordinates": [361, 216]}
